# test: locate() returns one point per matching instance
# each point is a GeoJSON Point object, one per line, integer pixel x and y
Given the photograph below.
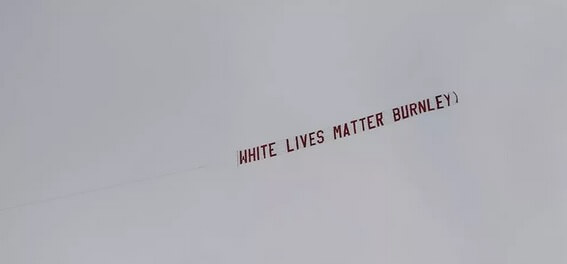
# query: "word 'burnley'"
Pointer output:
{"type": "Point", "coordinates": [346, 129]}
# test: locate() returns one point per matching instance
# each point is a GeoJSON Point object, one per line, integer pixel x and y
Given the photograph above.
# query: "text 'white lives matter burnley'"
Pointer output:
{"type": "Point", "coordinates": [346, 129]}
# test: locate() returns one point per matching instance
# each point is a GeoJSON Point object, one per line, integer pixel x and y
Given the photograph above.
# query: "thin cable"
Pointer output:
{"type": "Point", "coordinates": [99, 189]}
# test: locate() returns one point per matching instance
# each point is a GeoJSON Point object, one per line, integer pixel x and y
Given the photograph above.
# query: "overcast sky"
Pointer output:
{"type": "Point", "coordinates": [104, 93]}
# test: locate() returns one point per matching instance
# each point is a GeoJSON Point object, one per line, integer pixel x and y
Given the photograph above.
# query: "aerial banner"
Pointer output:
{"type": "Point", "coordinates": [341, 130]}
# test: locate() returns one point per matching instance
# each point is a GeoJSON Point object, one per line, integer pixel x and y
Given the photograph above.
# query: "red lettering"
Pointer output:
{"type": "Point", "coordinates": [303, 140]}
{"type": "Point", "coordinates": [412, 107]}
{"type": "Point", "coordinates": [439, 106]}
{"type": "Point", "coordinates": [448, 97]}
{"type": "Point", "coordinates": [405, 111]}
{"type": "Point", "coordinates": [396, 113]}
{"type": "Point", "coordinates": [379, 119]}
{"type": "Point", "coordinates": [353, 122]}
{"type": "Point", "coordinates": [337, 130]}
{"type": "Point", "coordinates": [243, 158]}
{"type": "Point", "coordinates": [252, 154]}
{"type": "Point", "coordinates": [363, 124]}
{"type": "Point", "coordinates": [311, 139]}
{"type": "Point", "coordinates": [429, 105]}
{"type": "Point", "coordinates": [271, 149]}
{"type": "Point", "coordinates": [422, 106]}
{"type": "Point", "coordinates": [264, 150]}
{"type": "Point", "coordinates": [370, 125]}
{"type": "Point", "coordinates": [320, 136]}
{"type": "Point", "coordinates": [346, 132]}
{"type": "Point", "coordinates": [288, 149]}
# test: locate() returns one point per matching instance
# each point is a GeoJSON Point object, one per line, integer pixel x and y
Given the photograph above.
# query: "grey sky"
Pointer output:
{"type": "Point", "coordinates": [95, 93]}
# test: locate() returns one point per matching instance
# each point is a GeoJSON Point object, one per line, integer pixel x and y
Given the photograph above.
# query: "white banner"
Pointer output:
{"type": "Point", "coordinates": [356, 126]}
